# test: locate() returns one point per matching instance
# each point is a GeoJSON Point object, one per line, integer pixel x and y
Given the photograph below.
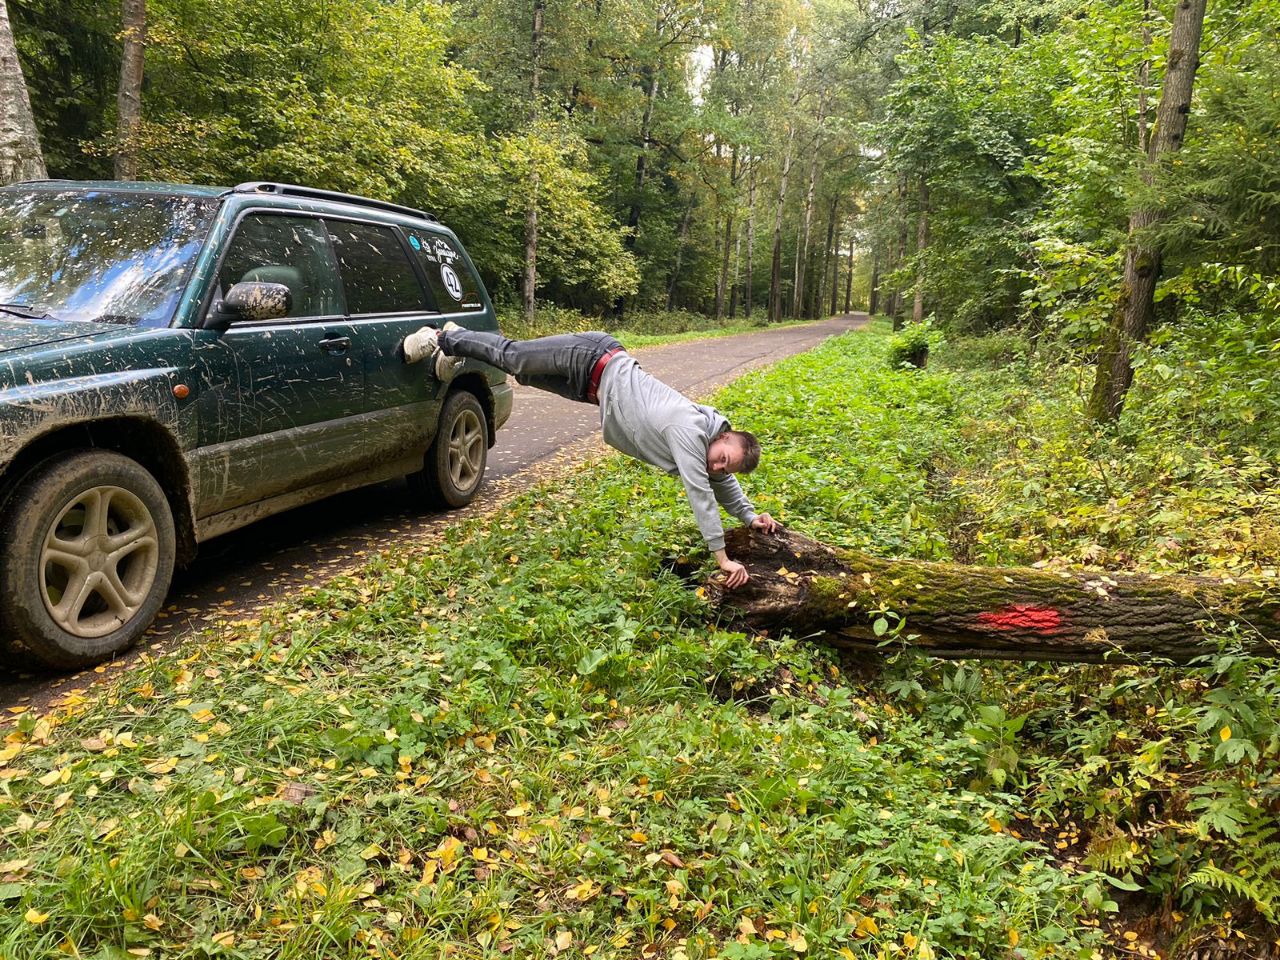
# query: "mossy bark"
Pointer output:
{"type": "Point", "coordinates": [951, 610]}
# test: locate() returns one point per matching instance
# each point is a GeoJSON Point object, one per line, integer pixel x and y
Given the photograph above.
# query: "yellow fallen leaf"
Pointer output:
{"type": "Point", "coordinates": [152, 922]}
{"type": "Point", "coordinates": [1225, 733]}
{"type": "Point", "coordinates": [909, 940]}
{"type": "Point", "coordinates": [12, 866]}
{"type": "Point", "coordinates": [564, 940]}
{"type": "Point", "coordinates": [797, 942]}
{"type": "Point", "coordinates": [1014, 937]}
{"type": "Point", "coordinates": [225, 939]}
{"type": "Point", "coordinates": [35, 917]}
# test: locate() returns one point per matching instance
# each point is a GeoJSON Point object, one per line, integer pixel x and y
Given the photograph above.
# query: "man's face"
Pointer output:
{"type": "Point", "coordinates": [724, 456]}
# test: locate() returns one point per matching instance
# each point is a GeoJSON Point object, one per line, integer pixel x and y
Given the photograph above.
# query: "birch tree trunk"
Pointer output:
{"type": "Point", "coordinates": [20, 154]}
{"type": "Point", "coordinates": [1135, 306]}
{"type": "Point", "coordinates": [129, 92]}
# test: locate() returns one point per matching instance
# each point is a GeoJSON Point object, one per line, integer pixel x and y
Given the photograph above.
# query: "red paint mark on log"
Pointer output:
{"type": "Point", "coordinates": [1022, 617]}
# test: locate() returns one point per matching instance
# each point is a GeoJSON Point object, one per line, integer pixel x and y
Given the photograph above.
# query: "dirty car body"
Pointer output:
{"type": "Point", "coordinates": [240, 347]}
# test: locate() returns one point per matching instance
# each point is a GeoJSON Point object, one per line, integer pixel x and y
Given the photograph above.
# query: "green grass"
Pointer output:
{"type": "Point", "coordinates": [529, 740]}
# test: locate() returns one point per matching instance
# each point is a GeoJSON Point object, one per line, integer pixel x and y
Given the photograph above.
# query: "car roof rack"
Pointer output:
{"type": "Point", "coordinates": [311, 193]}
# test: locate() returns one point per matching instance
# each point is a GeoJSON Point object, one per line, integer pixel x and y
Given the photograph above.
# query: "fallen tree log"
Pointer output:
{"type": "Point", "coordinates": [1019, 613]}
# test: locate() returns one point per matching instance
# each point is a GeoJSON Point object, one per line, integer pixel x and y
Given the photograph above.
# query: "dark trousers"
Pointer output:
{"type": "Point", "coordinates": [561, 364]}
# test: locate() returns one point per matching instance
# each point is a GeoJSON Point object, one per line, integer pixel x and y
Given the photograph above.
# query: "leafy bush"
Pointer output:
{"type": "Point", "coordinates": [911, 346]}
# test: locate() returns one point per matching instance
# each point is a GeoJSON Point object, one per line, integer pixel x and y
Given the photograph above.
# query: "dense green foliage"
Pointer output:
{"type": "Point", "coordinates": [515, 743]}
{"type": "Point", "coordinates": [978, 158]}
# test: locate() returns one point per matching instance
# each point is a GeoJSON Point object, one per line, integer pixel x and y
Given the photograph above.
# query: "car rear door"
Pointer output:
{"type": "Point", "coordinates": [386, 302]}
{"type": "Point", "coordinates": [280, 402]}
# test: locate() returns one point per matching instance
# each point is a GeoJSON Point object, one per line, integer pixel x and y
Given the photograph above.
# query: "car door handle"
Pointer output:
{"type": "Point", "coordinates": [335, 345]}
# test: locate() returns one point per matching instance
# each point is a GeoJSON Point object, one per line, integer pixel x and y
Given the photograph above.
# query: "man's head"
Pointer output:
{"type": "Point", "coordinates": [734, 451]}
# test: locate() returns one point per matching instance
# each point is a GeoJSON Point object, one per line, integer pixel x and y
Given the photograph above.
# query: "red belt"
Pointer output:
{"type": "Point", "coordinates": [597, 371]}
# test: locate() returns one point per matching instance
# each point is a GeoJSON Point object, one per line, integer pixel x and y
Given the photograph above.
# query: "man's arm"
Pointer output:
{"type": "Point", "coordinates": [730, 496]}
{"type": "Point", "coordinates": [690, 455]}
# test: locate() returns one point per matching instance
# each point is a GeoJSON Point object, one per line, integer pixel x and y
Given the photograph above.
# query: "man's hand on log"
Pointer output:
{"type": "Point", "coordinates": [765, 524]}
{"type": "Point", "coordinates": [735, 574]}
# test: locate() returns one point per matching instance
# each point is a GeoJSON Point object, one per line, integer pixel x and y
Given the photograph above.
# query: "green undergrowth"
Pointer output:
{"type": "Point", "coordinates": [528, 740]}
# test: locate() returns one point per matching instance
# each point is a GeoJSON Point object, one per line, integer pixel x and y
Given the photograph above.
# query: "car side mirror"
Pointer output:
{"type": "Point", "coordinates": [253, 301]}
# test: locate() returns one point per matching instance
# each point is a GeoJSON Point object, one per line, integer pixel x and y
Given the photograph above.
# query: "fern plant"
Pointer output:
{"type": "Point", "coordinates": [1255, 871]}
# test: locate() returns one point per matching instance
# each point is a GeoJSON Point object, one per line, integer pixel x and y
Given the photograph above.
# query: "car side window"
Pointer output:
{"type": "Point", "coordinates": [376, 274]}
{"type": "Point", "coordinates": [452, 283]}
{"type": "Point", "coordinates": [294, 251]}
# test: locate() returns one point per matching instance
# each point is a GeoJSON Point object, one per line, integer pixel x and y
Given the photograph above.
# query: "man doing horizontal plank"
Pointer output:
{"type": "Point", "coordinates": [639, 415]}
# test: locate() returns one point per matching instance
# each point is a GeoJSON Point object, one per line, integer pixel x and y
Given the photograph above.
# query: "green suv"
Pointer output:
{"type": "Point", "coordinates": [179, 361]}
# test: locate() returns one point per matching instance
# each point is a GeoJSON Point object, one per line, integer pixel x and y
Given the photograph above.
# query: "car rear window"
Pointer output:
{"type": "Point", "coordinates": [376, 274]}
{"type": "Point", "coordinates": [452, 283]}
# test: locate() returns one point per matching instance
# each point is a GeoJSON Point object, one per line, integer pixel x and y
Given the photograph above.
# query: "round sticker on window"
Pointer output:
{"type": "Point", "coordinates": [451, 281]}
{"type": "Point", "coordinates": [415, 242]}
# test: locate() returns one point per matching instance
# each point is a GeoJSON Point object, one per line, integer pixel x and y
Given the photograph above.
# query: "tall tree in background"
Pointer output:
{"type": "Point", "coordinates": [20, 156]}
{"type": "Point", "coordinates": [1136, 305]}
{"type": "Point", "coordinates": [530, 283]}
{"type": "Point", "coordinates": [129, 94]}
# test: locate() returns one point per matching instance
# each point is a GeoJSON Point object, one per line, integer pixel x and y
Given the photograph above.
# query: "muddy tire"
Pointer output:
{"type": "Point", "coordinates": [87, 549]}
{"type": "Point", "coordinates": [454, 466]}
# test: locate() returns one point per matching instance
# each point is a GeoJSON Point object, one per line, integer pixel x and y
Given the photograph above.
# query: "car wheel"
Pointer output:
{"type": "Point", "coordinates": [454, 465]}
{"type": "Point", "coordinates": [87, 558]}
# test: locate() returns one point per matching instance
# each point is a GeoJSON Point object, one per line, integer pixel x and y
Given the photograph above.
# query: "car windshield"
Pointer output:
{"type": "Point", "coordinates": [104, 255]}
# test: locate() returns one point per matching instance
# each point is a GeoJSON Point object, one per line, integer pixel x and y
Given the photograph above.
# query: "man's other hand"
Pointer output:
{"type": "Point", "coordinates": [735, 574]}
{"type": "Point", "coordinates": [765, 524]}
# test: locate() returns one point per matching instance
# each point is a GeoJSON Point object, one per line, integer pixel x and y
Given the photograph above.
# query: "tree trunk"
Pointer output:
{"type": "Point", "coordinates": [831, 263]}
{"type": "Point", "coordinates": [802, 250]}
{"type": "Point", "coordinates": [722, 286]}
{"type": "Point", "coordinates": [530, 284]}
{"type": "Point", "coordinates": [873, 295]}
{"type": "Point", "coordinates": [1136, 304]}
{"type": "Point", "coordinates": [775, 268]}
{"type": "Point", "coordinates": [737, 272]}
{"type": "Point", "coordinates": [922, 244]}
{"type": "Point", "coordinates": [642, 168]}
{"type": "Point", "coordinates": [848, 280]}
{"type": "Point", "coordinates": [20, 154]}
{"type": "Point", "coordinates": [901, 257]}
{"type": "Point", "coordinates": [1017, 613]}
{"type": "Point", "coordinates": [129, 92]}
{"type": "Point", "coordinates": [749, 278]}
{"type": "Point", "coordinates": [675, 267]}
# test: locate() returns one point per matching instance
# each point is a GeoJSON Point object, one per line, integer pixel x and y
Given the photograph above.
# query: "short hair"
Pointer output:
{"type": "Point", "coordinates": [750, 448]}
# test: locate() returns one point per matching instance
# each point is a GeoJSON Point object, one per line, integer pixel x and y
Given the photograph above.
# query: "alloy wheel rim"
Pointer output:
{"type": "Point", "coordinates": [466, 450]}
{"type": "Point", "coordinates": [99, 561]}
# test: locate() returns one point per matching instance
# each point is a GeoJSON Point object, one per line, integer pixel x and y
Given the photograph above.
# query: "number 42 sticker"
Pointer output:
{"type": "Point", "coordinates": [451, 281]}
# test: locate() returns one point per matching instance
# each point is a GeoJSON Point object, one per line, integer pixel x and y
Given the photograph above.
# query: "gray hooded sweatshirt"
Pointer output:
{"type": "Point", "coordinates": [646, 419]}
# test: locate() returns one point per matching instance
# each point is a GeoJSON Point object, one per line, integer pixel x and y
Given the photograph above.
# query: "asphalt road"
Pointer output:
{"type": "Point", "coordinates": [251, 568]}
